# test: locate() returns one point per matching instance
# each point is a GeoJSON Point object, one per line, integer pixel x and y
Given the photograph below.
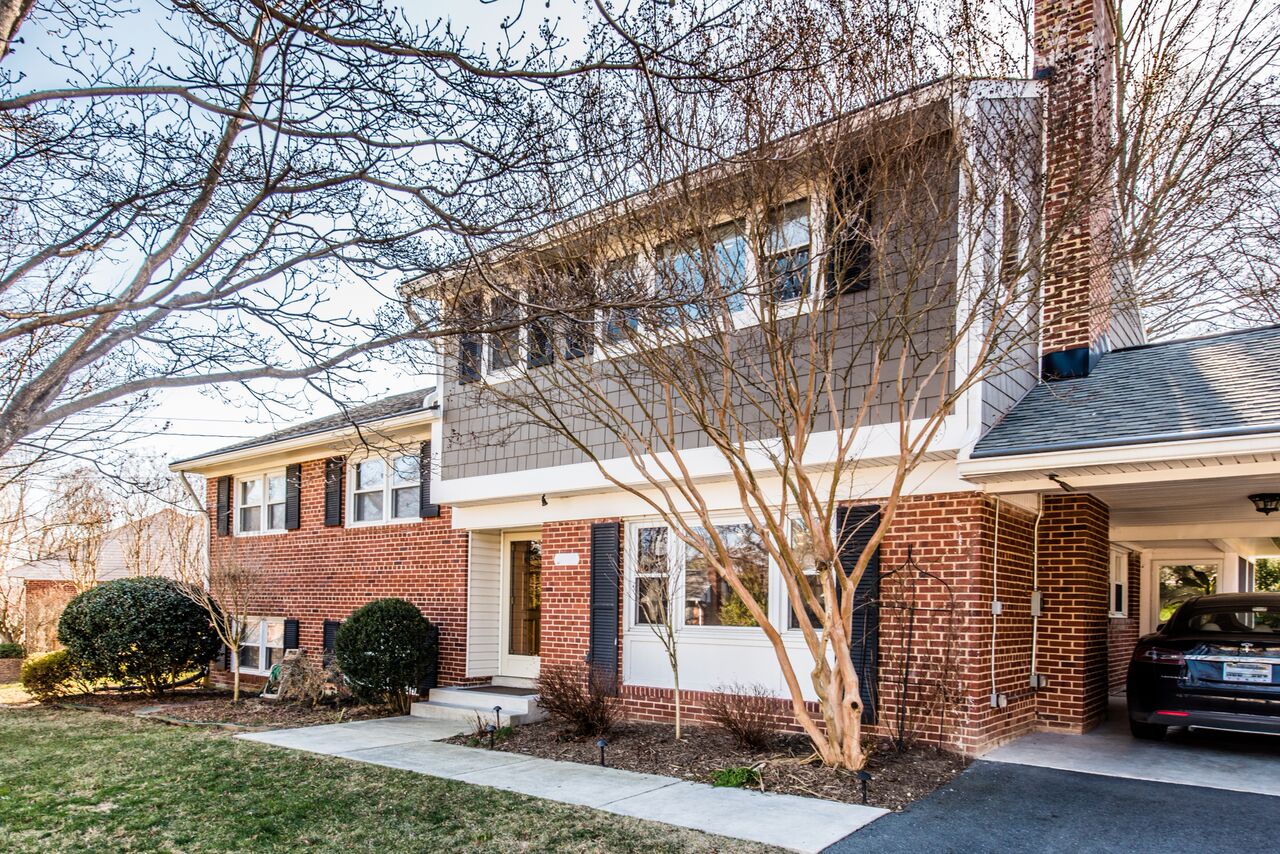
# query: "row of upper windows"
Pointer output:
{"type": "Point", "coordinates": [677, 272]}
{"type": "Point", "coordinates": [377, 491]}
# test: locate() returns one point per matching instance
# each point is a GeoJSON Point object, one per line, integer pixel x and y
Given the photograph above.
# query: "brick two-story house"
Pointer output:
{"type": "Point", "coordinates": [1058, 501]}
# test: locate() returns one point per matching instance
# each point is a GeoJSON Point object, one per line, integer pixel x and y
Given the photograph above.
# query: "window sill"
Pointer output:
{"type": "Point", "coordinates": [272, 533]}
{"type": "Point", "coordinates": [383, 523]}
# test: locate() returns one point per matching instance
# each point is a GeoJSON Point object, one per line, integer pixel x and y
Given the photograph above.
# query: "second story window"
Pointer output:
{"type": "Point", "coordinates": [786, 248]}
{"type": "Point", "coordinates": [693, 280]}
{"type": "Point", "coordinates": [504, 345]}
{"type": "Point", "coordinates": [381, 492]}
{"type": "Point", "coordinates": [260, 502]}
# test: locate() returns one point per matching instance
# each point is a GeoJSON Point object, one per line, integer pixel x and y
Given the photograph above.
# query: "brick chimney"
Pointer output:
{"type": "Point", "coordinates": [1075, 49]}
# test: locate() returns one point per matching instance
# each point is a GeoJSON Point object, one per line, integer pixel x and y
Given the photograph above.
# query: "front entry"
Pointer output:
{"type": "Point", "coordinates": [522, 605]}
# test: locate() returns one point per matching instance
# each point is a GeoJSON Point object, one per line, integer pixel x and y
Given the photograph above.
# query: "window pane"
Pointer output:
{"type": "Point", "coordinates": [251, 491]}
{"type": "Point", "coordinates": [369, 506]}
{"type": "Point", "coordinates": [790, 274]}
{"type": "Point", "coordinates": [731, 267]}
{"type": "Point", "coordinates": [406, 502]}
{"type": "Point", "coordinates": [406, 469]}
{"type": "Point", "coordinates": [275, 517]}
{"type": "Point", "coordinates": [709, 601]}
{"type": "Point", "coordinates": [250, 657]}
{"type": "Point", "coordinates": [789, 228]}
{"type": "Point", "coordinates": [651, 600]}
{"type": "Point", "coordinates": [802, 547]}
{"type": "Point", "coordinates": [275, 488]}
{"type": "Point", "coordinates": [250, 518]}
{"type": "Point", "coordinates": [370, 474]}
{"type": "Point", "coordinates": [504, 347]}
{"type": "Point", "coordinates": [651, 550]}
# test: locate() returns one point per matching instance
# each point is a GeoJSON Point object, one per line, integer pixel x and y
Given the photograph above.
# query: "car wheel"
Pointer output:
{"type": "Point", "coordinates": [1145, 730]}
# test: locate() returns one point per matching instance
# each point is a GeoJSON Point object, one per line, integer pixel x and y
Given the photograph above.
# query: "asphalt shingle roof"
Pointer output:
{"type": "Point", "coordinates": [1226, 384]}
{"type": "Point", "coordinates": [387, 407]}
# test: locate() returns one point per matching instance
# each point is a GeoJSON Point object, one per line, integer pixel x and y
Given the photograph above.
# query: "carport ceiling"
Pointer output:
{"type": "Point", "coordinates": [1191, 502]}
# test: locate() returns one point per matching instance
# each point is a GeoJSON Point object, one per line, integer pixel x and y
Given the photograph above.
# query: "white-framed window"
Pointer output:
{"type": "Point", "coordinates": [787, 251]}
{"type": "Point", "coordinates": [384, 489]}
{"type": "Point", "coordinates": [802, 547]}
{"type": "Point", "coordinates": [682, 272]}
{"type": "Point", "coordinates": [660, 564]}
{"type": "Point", "coordinates": [1118, 591]}
{"type": "Point", "coordinates": [260, 502]}
{"type": "Point", "coordinates": [261, 644]}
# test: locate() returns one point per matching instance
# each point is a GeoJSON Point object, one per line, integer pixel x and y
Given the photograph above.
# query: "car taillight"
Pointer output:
{"type": "Point", "coordinates": [1159, 655]}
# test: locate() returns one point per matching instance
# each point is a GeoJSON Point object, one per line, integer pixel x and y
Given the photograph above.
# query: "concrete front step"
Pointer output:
{"type": "Point", "coordinates": [475, 707]}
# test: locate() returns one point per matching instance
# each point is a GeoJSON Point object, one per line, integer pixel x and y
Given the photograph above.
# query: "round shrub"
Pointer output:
{"type": "Point", "coordinates": [384, 649]}
{"type": "Point", "coordinates": [12, 650]}
{"type": "Point", "coordinates": [142, 631]}
{"type": "Point", "coordinates": [48, 677]}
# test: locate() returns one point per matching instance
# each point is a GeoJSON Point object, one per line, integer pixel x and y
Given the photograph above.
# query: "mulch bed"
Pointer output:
{"type": "Point", "coordinates": [201, 705]}
{"type": "Point", "coordinates": [897, 779]}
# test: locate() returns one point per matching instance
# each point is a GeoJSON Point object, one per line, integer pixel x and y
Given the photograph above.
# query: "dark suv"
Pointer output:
{"type": "Point", "coordinates": [1215, 664]}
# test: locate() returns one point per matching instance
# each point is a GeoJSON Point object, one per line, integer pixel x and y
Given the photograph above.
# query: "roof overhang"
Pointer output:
{"type": "Point", "coordinates": [1188, 459]}
{"type": "Point", "coordinates": [307, 446]}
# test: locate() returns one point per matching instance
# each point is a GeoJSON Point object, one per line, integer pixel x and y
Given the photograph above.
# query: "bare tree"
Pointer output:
{"type": "Point", "coordinates": [227, 593]}
{"type": "Point", "coordinates": [201, 214]}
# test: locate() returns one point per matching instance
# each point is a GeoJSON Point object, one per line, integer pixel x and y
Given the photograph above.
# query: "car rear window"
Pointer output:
{"type": "Point", "coordinates": [1243, 619]}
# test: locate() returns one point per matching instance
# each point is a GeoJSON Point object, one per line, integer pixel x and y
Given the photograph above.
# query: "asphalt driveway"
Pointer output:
{"type": "Point", "coordinates": [1004, 807]}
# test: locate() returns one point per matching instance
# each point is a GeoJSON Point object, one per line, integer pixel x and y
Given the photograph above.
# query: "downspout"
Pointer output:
{"type": "Point", "coordinates": [1036, 681]}
{"type": "Point", "coordinates": [998, 700]}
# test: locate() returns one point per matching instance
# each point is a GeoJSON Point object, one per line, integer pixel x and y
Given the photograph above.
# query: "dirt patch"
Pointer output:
{"type": "Point", "coordinates": [897, 779]}
{"type": "Point", "coordinates": [213, 706]}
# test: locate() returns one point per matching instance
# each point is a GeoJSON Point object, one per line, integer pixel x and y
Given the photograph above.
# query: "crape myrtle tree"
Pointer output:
{"type": "Point", "coordinates": [794, 289]}
{"type": "Point", "coordinates": [198, 211]}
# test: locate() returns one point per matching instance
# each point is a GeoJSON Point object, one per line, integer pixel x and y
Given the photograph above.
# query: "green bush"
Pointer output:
{"type": "Point", "coordinates": [12, 650]}
{"type": "Point", "coordinates": [735, 777]}
{"type": "Point", "coordinates": [141, 631]}
{"type": "Point", "coordinates": [384, 649]}
{"type": "Point", "coordinates": [48, 677]}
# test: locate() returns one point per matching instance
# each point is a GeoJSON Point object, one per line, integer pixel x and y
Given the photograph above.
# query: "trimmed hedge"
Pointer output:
{"type": "Point", "coordinates": [141, 631]}
{"type": "Point", "coordinates": [12, 650]}
{"type": "Point", "coordinates": [385, 649]}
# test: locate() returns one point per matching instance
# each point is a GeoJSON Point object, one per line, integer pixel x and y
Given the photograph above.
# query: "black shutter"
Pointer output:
{"type": "Point", "coordinates": [291, 634]}
{"type": "Point", "coordinates": [849, 256]}
{"type": "Point", "coordinates": [333, 468]}
{"type": "Point", "coordinates": [426, 509]}
{"type": "Point", "coordinates": [430, 676]}
{"type": "Point", "coordinates": [330, 639]}
{"type": "Point", "coordinates": [469, 354]}
{"type": "Point", "coordinates": [223, 511]}
{"type": "Point", "coordinates": [855, 525]}
{"type": "Point", "coordinates": [602, 650]}
{"type": "Point", "coordinates": [226, 657]}
{"type": "Point", "coordinates": [293, 497]}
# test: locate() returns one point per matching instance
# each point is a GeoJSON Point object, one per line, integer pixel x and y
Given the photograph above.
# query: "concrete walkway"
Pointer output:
{"type": "Point", "coordinates": [1218, 760]}
{"type": "Point", "coordinates": [995, 807]}
{"type": "Point", "coordinates": [786, 821]}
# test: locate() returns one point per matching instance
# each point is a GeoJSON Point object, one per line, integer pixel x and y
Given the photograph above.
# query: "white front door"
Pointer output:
{"type": "Point", "coordinates": [521, 614]}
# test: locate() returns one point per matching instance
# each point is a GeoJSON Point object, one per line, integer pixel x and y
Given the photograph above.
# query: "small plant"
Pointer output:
{"type": "Point", "coordinates": [303, 680]}
{"type": "Point", "coordinates": [48, 677]}
{"type": "Point", "coordinates": [384, 649]}
{"type": "Point", "coordinates": [735, 778]}
{"type": "Point", "coordinates": [12, 650]}
{"type": "Point", "coordinates": [746, 712]}
{"type": "Point", "coordinates": [584, 706]}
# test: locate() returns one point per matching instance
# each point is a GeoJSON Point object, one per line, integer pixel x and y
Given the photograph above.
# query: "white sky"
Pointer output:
{"type": "Point", "coordinates": [187, 422]}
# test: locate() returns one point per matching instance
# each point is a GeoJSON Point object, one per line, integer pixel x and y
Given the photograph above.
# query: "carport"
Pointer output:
{"type": "Point", "coordinates": [1149, 474]}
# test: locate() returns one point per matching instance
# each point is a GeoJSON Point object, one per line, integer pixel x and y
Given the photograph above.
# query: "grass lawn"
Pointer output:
{"type": "Point", "coordinates": [84, 781]}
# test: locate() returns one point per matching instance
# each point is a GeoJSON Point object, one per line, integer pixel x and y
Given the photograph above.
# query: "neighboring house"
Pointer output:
{"type": "Point", "coordinates": [1061, 507]}
{"type": "Point", "coordinates": [168, 543]}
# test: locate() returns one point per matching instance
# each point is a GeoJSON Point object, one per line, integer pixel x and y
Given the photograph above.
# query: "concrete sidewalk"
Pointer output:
{"type": "Point", "coordinates": [786, 821]}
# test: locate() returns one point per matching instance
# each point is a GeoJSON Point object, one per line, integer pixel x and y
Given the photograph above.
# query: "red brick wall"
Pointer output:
{"type": "Point", "coordinates": [566, 592]}
{"type": "Point", "coordinates": [1075, 38]}
{"type": "Point", "coordinates": [1122, 632]}
{"type": "Point", "coordinates": [1074, 577]}
{"type": "Point", "coordinates": [317, 573]}
{"type": "Point", "coordinates": [952, 537]}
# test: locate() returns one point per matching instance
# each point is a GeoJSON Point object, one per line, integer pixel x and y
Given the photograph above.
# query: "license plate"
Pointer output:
{"type": "Point", "coordinates": [1246, 672]}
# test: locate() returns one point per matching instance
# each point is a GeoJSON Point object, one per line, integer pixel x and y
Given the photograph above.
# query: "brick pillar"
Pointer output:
{"type": "Point", "coordinates": [1074, 577]}
{"type": "Point", "coordinates": [1075, 46]}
